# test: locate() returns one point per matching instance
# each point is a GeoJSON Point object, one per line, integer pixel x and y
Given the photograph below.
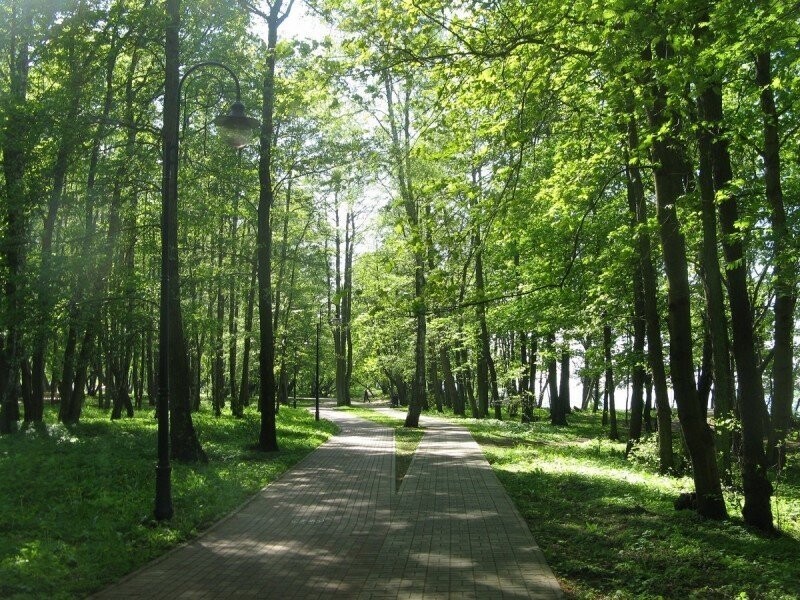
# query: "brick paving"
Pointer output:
{"type": "Point", "coordinates": [333, 527]}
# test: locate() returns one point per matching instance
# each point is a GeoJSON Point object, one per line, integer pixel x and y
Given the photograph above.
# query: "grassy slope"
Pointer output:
{"type": "Point", "coordinates": [608, 528]}
{"type": "Point", "coordinates": [76, 503]}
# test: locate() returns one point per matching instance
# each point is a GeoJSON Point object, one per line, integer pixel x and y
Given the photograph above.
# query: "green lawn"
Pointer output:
{"type": "Point", "coordinates": [608, 527]}
{"type": "Point", "coordinates": [76, 503]}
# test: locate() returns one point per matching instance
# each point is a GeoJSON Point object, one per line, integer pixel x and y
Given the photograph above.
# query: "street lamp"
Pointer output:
{"type": "Point", "coordinates": [236, 129]}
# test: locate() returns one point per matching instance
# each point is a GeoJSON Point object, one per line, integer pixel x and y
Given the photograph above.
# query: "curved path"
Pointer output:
{"type": "Point", "coordinates": [333, 527]}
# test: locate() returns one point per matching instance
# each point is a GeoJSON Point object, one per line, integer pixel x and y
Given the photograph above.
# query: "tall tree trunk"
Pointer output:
{"type": "Point", "coordinates": [465, 389]}
{"type": "Point", "coordinates": [613, 432]}
{"type": "Point", "coordinates": [152, 384]}
{"type": "Point", "coordinates": [233, 306]}
{"type": "Point", "coordinates": [639, 329]}
{"type": "Point", "coordinates": [218, 386]}
{"type": "Point", "coordinates": [655, 349]}
{"type": "Point", "coordinates": [596, 404]}
{"type": "Point", "coordinates": [435, 383]}
{"type": "Point", "coordinates": [277, 301]}
{"type": "Point", "coordinates": [184, 444]}
{"type": "Point", "coordinates": [757, 488]}
{"type": "Point", "coordinates": [564, 392]}
{"type": "Point", "coordinates": [668, 171]}
{"type": "Point", "coordinates": [400, 157]}
{"type": "Point", "coordinates": [558, 416]}
{"type": "Point", "coordinates": [529, 390]}
{"type": "Point", "coordinates": [524, 384]}
{"type": "Point", "coordinates": [92, 281]}
{"type": "Point", "coordinates": [347, 303]}
{"type": "Point", "coordinates": [16, 124]}
{"type": "Point", "coordinates": [67, 144]}
{"type": "Point", "coordinates": [244, 388]}
{"type": "Point", "coordinates": [341, 306]}
{"type": "Point", "coordinates": [484, 353]}
{"type": "Point", "coordinates": [268, 437]}
{"type": "Point", "coordinates": [452, 397]}
{"type": "Point", "coordinates": [724, 392]}
{"type": "Point", "coordinates": [784, 270]}
{"type": "Point", "coordinates": [648, 403]}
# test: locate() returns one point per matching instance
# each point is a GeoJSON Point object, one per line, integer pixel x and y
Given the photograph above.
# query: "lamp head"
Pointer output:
{"type": "Point", "coordinates": [236, 128]}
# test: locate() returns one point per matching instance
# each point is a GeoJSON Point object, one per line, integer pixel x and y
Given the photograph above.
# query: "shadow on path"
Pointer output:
{"type": "Point", "coordinates": [332, 527]}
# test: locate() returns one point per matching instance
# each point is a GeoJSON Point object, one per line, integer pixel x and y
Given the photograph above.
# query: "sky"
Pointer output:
{"type": "Point", "coordinates": [300, 24]}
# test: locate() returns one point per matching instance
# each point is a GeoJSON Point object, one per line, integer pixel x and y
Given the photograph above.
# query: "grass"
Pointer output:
{"type": "Point", "coordinates": [76, 502]}
{"type": "Point", "coordinates": [406, 439]}
{"type": "Point", "coordinates": [607, 525]}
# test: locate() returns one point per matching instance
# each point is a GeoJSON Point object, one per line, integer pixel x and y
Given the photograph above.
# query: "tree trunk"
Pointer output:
{"type": "Point", "coordinates": [435, 385]}
{"type": "Point", "coordinates": [558, 416]}
{"type": "Point", "coordinates": [639, 330]}
{"type": "Point", "coordinates": [347, 303]}
{"type": "Point", "coordinates": [484, 352]}
{"type": "Point", "coordinates": [655, 350]}
{"type": "Point", "coordinates": [244, 388]}
{"type": "Point", "coordinates": [648, 403]}
{"type": "Point", "coordinates": [233, 308]}
{"type": "Point", "coordinates": [268, 438]}
{"type": "Point", "coordinates": [218, 386]}
{"type": "Point", "coordinates": [669, 170]}
{"type": "Point", "coordinates": [184, 444]}
{"type": "Point", "coordinates": [613, 432]}
{"type": "Point", "coordinates": [400, 157]}
{"type": "Point", "coordinates": [532, 358]}
{"type": "Point", "coordinates": [152, 384]}
{"type": "Point", "coordinates": [277, 301]}
{"type": "Point", "coordinates": [784, 270]}
{"type": "Point", "coordinates": [563, 392]}
{"type": "Point", "coordinates": [724, 393]}
{"type": "Point", "coordinates": [14, 238]}
{"type": "Point", "coordinates": [757, 488]}
{"type": "Point", "coordinates": [67, 144]}
{"type": "Point", "coordinates": [453, 398]}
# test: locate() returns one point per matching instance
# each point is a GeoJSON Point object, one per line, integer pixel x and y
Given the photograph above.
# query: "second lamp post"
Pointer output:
{"type": "Point", "coordinates": [236, 129]}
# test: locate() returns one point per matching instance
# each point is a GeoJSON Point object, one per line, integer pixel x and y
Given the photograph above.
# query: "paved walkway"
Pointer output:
{"type": "Point", "coordinates": [333, 527]}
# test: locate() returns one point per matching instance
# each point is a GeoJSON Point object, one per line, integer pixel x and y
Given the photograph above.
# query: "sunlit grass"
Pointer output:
{"type": "Point", "coordinates": [76, 503]}
{"type": "Point", "coordinates": [608, 527]}
{"type": "Point", "coordinates": [406, 439]}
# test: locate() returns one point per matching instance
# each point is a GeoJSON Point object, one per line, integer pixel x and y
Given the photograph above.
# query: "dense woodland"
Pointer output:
{"type": "Point", "coordinates": [470, 202]}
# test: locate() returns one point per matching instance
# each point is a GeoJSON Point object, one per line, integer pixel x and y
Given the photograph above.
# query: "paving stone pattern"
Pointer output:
{"type": "Point", "coordinates": [333, 527]}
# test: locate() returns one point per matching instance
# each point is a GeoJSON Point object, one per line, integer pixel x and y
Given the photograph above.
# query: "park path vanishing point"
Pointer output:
{"type": "Point", "coordinates": [333, 527]}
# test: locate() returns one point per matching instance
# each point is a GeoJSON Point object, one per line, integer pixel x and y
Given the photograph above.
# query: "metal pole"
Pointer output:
{"type": "Point", "coordinates": [173, 84]}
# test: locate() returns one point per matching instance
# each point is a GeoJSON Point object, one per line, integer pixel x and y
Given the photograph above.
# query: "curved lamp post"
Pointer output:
{"type": "Point", "coordinates": [236, 129]}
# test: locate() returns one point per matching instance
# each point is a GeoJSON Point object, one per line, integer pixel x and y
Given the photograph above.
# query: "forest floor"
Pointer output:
{"type": "Point", "coordinates": [607, 525]}
{"type": "Point", "coordinates": [76, 503]}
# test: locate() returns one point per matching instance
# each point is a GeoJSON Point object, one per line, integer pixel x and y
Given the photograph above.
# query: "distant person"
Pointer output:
{"type": "Point", "coordinates": [366, 396]}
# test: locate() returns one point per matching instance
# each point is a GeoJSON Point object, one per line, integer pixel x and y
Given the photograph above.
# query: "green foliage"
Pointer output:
{"type": "Point", "coordinates": [76, 504]}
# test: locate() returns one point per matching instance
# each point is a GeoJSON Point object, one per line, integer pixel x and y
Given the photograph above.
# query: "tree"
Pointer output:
{"type": "Point", "coordinates": [274, 16]}
{"type": "Point", "coordinates": [15, 145]}
{"type": "Point", "coordinates": [174, 368]}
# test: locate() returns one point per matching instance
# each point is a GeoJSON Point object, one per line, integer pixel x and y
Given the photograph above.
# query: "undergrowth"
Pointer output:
{"type": "Point", "coordinates": [608, 528]}
{"type": "Point", "coordinates": [76, 503]}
